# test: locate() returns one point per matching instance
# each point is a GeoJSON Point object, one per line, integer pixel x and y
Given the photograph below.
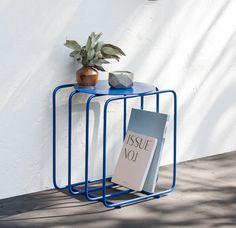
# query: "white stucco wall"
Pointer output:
{"type": "Point", "coordinates": [185, 45]}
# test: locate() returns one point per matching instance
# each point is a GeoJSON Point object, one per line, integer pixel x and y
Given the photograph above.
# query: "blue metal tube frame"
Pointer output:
{"type": "Point", "coordinates": [87, 190]}
{"type": "Point", "coordinates": [92, 196]}
{"type": "Point", "coordinates": [87, 147]}
{"type": "Point", "coordinates": [141, 102]}
{"type": "Point", "coordinates": [70, 186]}
{"type": "Point", "coordinates": [89, 196]}
{"type": "Point", "coordinates": [157, 101]}
{"type": "Point", "coordinates": [124, 116]}
{"type": "Point", "coordinates": [54, 158]}
{"type": "Point", "coordinates": [110, 204]}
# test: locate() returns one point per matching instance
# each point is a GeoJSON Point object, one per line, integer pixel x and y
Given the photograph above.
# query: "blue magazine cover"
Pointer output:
{"type": "Point", "coordinates": [154, 125]}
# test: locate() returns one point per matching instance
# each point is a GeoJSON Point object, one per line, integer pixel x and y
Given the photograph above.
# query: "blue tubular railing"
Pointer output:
{"type": "Point", "coordinates": [157, 101]}
{"type": "Point", "coordinates": [87, 191]}
{"type": "Point", "coordinates": [71, 190]}
{"type": "Point", "coordinates": [141, 102]}
{"type": "Point", "coordinates": [54, 132]}
{"type": "Point", "coordinates": [104, 195]}
{"type": "Point", "coordinates": [124, 115]}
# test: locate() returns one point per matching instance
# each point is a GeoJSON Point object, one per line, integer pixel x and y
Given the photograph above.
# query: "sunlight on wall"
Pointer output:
{"type": "Point", "coordinates": [185, 45]}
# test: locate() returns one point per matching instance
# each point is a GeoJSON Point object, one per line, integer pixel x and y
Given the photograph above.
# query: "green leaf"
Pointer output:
{"type": "Point", "coordinates": [91, 42]}
{"type": "Point", "coordinates": [83, 53]}
{"type": "Point", "coordinates": [73, 53]}
{"type": "Point", "coordinates": [95, 52]}
{"type": "Point", "coordinates": [90, 54]}
{"type": "Point", "coordinates": [106, 56]}
{"type": "Point", "coordinates": [98, 55]}
{"type": "Point", "coordinates": [99, 68]}
{"type": "Point", "coordinates": [85, 60]}
{"type": "Point", "coordinates": [88, 44]}
{"type": "Point", "coordinates": [112, 50]}
{"type": "Point", "coordinates": [98, 46]}
{"type": "Point", "coordinates": [98, 36]}
{"type": "Point", "coordinates": [78, 57]}
{"type": "Point", "coordinates": [72, 44]}
{"type": "Point", "coordinates": [93, 39]}
{"type": "Point", "coordinates": [103, 61]}
{"type": "Point", "coordinates": [100, 62]}
{"type": "Point", "coordinates": [93, 34]}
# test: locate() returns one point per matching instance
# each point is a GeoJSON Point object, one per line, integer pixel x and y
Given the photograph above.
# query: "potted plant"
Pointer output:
{"type": "Point", "coordinates": [92, 56]}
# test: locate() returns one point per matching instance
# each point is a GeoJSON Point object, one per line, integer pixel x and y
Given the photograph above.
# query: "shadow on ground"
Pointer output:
{"type": "Point", "coordinates": [205, 197]}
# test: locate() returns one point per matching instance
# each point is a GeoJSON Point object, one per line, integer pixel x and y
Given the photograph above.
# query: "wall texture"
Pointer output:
{"type": "Point", "coordinates": [186, 45]}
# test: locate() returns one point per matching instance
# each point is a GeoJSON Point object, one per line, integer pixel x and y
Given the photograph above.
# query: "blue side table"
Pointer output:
{"type": "Point", "coordinates": [103, 89]}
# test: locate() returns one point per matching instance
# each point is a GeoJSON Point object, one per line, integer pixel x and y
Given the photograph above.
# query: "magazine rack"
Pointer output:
{"type": "Point", "coordinates": [102, 89]}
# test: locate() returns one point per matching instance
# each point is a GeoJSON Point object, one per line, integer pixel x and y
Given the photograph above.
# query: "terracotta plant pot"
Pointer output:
{"type": "Point", "coordinates": [87, 77]}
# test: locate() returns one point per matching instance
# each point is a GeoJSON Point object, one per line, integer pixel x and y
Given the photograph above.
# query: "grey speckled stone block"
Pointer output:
{"type": "Point", "coordinates": [121, 79]}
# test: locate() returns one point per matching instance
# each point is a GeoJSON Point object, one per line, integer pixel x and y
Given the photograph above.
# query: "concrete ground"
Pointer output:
{"type": "Point", "coordinates": [205, 197]}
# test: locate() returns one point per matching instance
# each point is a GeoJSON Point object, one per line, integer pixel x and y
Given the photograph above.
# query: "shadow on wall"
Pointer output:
{"type": "Point", "coordinates": [185, 50]}
{"type": "Point", "coordinates": [58, 73]}
{"type": "Point", "coordinates": [185, 46]}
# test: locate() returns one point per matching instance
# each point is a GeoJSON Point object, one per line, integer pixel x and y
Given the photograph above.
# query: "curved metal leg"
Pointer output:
{"type": "Point", "coordinates": [70, 186]}
{"type": "Point", "coordinates": [141, 102]}
{"type": "Point", "coordinates": [175, 140]}
{"type": "Point", "coordinates": [104, 153]}
{"type": "Point", "coordinates": [54, 165]}
{"type": "Point", "coordinates": [124, 116]}
{"type": "Point", "coordinates": [157, 101]}
{"type": "Point", "coordinates": [87, 195]}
